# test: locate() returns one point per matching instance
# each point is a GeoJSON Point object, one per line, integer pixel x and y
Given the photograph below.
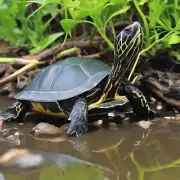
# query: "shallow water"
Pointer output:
{"type": "Point", "coordinates": [112, 153]}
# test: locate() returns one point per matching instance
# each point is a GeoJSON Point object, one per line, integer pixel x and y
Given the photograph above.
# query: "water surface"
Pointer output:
{"type": "Point", "coordinates": [112, 153]}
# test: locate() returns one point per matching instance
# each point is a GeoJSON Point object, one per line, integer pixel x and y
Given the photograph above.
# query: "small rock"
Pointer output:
{"type": "Point", "coordinates": [1, 124]}
{"type": "Point", "coordinates": [20, 158]}
{"type": "Point", "coordinates": [177, 117]}
{"type": "Point", "coordinates": [126, 119]}
{"type": "Point", "coordinates": [169, 117]}
{"type": "Point", "coordinates": [159, 107]}
{"type": "Point", "coordinates": [8, 131]}
{"type": "Point", "coordinates": [21, 124]}
{"type": "Point", "coordinates": [15, 138]}
{"type": "Point", "coordinates": [48, 129]}
{"type": "Point", "coordinates": [111, 114]}
{"type": "Point", "coordinates": [145, 124]}
{"type": "Point", "coordinates": [2, 118]}
{"type": "Point", "coordinates": [99, 122]}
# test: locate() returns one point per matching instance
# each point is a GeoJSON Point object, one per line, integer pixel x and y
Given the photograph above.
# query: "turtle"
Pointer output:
{"type": "Point", "coordinates": [163, 86]}
{"type": "Point", "coordinates": [72, 87]}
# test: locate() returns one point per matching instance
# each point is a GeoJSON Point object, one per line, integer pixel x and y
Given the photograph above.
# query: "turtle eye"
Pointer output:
{"type": "Point", "coordinates": [128, 30]}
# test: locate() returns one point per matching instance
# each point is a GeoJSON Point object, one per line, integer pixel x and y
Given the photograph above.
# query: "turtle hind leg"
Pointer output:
{"type": "Point", "coordinates": [16, 111]}
{"type": "Point", "coordinates": [78, 118]}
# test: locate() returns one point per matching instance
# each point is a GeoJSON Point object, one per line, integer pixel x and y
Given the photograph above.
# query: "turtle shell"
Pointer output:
{"type": "Point", "coordinates": [64, 80]}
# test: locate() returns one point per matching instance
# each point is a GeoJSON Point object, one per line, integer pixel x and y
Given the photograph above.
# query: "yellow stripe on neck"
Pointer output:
{"type": "Point", "coordinates": [117, 97]}
{"type": "Point", "coordinates": [102, 98]}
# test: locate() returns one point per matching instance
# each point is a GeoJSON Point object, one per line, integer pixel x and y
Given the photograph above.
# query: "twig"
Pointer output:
{"type": "Point", "coordinates": [97, 55]}
{"type": "Point", "coordinates": [17, 60]}
{"type": "Point", "coordinates": [67, 52]}
{"type": "Point", "coordinates": [17, 73]}
{"type": "Point", "coordinates": [81, 44]}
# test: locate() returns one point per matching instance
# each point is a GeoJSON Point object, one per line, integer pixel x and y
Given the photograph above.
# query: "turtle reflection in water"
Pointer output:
{"type": "Point", "coordinates": [31, 159]}
{"type": "Point", "coordinates": [72, 87]}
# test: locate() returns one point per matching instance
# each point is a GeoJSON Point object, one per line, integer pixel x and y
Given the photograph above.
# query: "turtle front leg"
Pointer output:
{"type": "Point", "coordinates": [78, 118]}
{"type": "Point", "coordinates": [138, 102]}
{"type": "Point", "coordinates": [13, 112]}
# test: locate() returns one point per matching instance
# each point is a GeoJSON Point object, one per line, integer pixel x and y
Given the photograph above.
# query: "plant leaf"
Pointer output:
{"type": "Point", "coordinates": [46, 42]}
{"type": "Point", "coordinates": [142, 2]}
{"type": "Point", "coordinates": [178, 24]}
{"type": "Point", "coordinates": [156, 9]}
{"type": "Point", "coordinates": [174, 39]}
{"type": "Point", "coordinates": [123, 2]}
{"type": "Point", "coordinates": [121, 11]}
{"type": "Point", "coordinates": [68, 24]}
{"type": "Point", "coordinates": [176, 54]}
{"type": "Point", "coordinates": [171, 39]}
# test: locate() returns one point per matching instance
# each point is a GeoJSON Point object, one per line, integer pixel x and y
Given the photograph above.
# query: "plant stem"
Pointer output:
{"type": "Point", "coordinates": [113, 30]}
{"type": "Point", "coordinates": [18, 60]}
{"type": "Point", "coordinates": [67, 52]}
{"type": "Point", "coordinates": [146, 26]}
{"type": "Point", "coordinates": [17, 73]}
{"type": "Point", "coordinates": [65, 12]}
{"type": "Point", "coordinates": [35, 11]}
{"type": "Point", "coordinates": [147, 49]}
{"type": "Point", "coordinates": [110, 44]}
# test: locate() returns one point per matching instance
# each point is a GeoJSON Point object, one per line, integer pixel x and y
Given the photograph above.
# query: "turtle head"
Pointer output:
{"type": "Point", "coordinates": [128, 44]}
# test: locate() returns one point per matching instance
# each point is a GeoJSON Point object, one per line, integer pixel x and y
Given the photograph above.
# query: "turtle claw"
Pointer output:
{"type": "Point", "coordinates": [152, 114]}
{"type": "Point", "coordinates": [6, 116]}
{"type": "Point", "coordinates": [70, 132]}
{"type": "Point", "coordinates": [78, 129]}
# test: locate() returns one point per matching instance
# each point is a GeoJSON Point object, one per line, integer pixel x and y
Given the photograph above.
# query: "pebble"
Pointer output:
{"type": "Point", "coordinates": [99, 122]}
{"type": "Point", "coordinates": [48, 129]}
{"type": "Point", "coordinates": [159, 107]}
{"type": "Point", "coordinates": [21, 159]}
{"type": "Point", "coordinates": [145, 124]}
{"type": "Point", "coordinates": [21, 124]}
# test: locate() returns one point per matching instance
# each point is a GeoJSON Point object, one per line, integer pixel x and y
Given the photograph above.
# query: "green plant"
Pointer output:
{"type": "Point", "coordinates": [8, 22]}
{"type": "Point", "coordinates": [161, 24]}
{"type": "Point", "coordinates": [97, 13]}
{"type": "Point", "coordinates": [18, 29]}
{"type": "Point", "coordinates": [101, 13]}
{"type": "Point", "coordinates": [160, 20]}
